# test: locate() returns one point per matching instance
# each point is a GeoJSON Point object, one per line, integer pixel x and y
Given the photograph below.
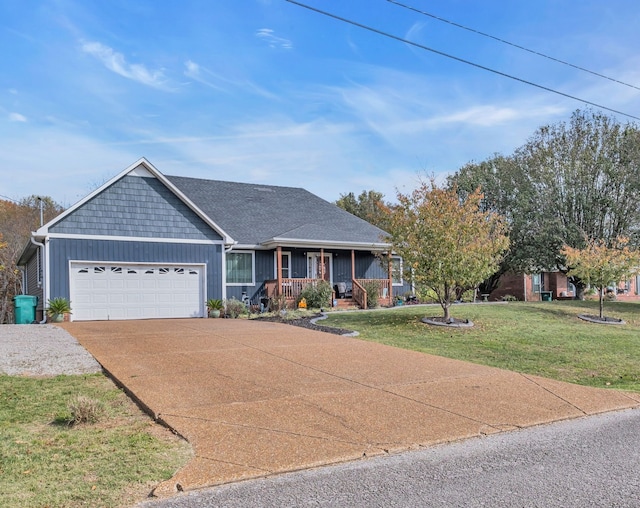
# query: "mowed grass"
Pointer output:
{"type": "Point", "coordinates": [45, 462]}
{"type": "Point", "coordinates": [545, 338]}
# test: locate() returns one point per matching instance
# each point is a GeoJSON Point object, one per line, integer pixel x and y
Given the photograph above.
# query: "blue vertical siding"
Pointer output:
{"type": "Point", "coordinates": [263, 271]}
{"type": "Point", "coordinates": [33, 287]}
{"type": "Point", "coordinates": [367, 266]}
{"type": "Point", "coordinates": [61, 251]}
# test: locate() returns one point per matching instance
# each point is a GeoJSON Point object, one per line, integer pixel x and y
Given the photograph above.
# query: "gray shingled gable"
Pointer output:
{"type": "Point", "coordinates": [253, 214]}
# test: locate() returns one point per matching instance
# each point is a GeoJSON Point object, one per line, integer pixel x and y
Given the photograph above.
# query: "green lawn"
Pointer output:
{"type": "Point", "coordinates": [546, 339]}
{"type": "Point", "coordinates": [45, 462]}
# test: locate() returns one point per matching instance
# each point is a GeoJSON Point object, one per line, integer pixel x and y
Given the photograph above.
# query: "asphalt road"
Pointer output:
{"type": "Point", "coordinates": [593, 461]}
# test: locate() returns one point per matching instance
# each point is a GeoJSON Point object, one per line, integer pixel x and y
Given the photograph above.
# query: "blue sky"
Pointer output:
{"type": "Point", "coordinates": [266, 91]}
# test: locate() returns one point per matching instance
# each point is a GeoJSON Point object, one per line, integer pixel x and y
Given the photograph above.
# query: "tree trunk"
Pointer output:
{"type": "Point", "coordinates": [445, 308]}
{"type": "Point", "coordinates": [446, 303]}
{"type": "Point", "coordinates": [602, 303]}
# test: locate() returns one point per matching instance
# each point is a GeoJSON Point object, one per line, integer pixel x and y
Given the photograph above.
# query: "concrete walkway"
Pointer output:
{"type": "Point", "coordinates": [258, 398]}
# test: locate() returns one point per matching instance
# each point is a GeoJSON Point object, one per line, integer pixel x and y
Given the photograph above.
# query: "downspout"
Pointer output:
{"type": "Point", "coordinates": [524, 285]}
{"type": "Point", "coordinates": [43, 259]}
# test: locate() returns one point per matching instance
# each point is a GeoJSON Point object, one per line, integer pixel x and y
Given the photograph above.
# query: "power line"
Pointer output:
{"type": "Point", "coordinates": [511, 44]}
{"type": "Point", "coordinates": [9, 199]}
{"type": "Point", "coordinates": [426, 48]}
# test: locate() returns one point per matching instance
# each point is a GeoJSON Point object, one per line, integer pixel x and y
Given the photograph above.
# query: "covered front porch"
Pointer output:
{"type": "Point", "coordinates": [350, 271]}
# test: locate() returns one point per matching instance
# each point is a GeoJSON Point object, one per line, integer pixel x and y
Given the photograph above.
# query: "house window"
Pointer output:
{"type": "Point", "coordinates": [536, 279]}
{"type": "Point", "coordinates": [626, 286]}
{"type": "Point", "coordinates": [396, 270]}
{"type": "Point", "coordinates": [286, 265]}
{"type": "Point", "coordinates": [240, 268]}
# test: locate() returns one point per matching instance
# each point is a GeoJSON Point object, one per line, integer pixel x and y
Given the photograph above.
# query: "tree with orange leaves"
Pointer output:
{"type": "Point", "coordinates": [599, 265]}
{"type": "Point", "coordinates": [446, 243]}
{"type": "Point", "coordinates": [17, 220]}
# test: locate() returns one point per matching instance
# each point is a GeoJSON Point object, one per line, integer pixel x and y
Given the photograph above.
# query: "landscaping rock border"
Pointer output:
{"type": "Point", "coordinates": [602, 321]}
{"type": "Point", "coordinates": [311, 324]}
{"type": "Point", "coordinates": [451, 323]}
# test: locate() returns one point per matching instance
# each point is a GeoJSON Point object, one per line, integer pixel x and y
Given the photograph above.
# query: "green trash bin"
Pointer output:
{"type": "Point", "coordinates": [546, 296]}
{"type": "Point", "coordinates": [24, 307]}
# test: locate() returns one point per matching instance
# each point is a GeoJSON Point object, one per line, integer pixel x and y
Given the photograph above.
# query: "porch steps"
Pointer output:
{"type": "Point", "coordinates": [345, 303]}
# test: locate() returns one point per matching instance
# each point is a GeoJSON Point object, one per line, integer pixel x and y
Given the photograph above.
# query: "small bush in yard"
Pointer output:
{"type": "Point", "coordinates": [234, 308]}
{"type": "Point", "coordinates": [84, 409]}
{"type": "Point", "coordinates": [317, 296]}
{"type": "Point", "coordinates": [372, 287]}
{"type": "Point", "coordinates": [277, 303]}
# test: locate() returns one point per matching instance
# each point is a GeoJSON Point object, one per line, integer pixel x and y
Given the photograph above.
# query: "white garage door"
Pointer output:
{"type": "Point", "coordinates": [103, 291]}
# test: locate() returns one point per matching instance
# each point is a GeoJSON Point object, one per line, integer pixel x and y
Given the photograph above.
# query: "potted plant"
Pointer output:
{"type": "Point", "coordinates": [215, 306]}
{"type": "Point", "coordinates": [57, 308]}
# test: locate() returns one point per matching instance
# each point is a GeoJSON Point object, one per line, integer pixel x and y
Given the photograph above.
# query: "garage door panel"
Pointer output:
{"type": "Point", "coordinates": [148, 284]}
{"type": "Point", "coordinates": [134, 298]}
{"type": "Point", "coordinates": [118, 291]}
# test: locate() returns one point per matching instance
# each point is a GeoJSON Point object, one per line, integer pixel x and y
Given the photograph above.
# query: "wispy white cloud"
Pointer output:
{"type": "Point", "coordinates": [493, 115]}
{"type": "Point", "coordinates": [268, 35]}
{"type": "Point", "coordinates": [209, 78]}
{"type": "Point", "coordinates": [117, 63]}
{"type": "Point", "coordinates": [197, 73]}
{"type": "Point", "coordinates": [17, 117]}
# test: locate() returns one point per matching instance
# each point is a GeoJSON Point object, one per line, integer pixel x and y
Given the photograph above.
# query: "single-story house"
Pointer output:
{"type": "Point", "coordinates": [146, 245]}
{"type": "Point", "coordinates": [553, 285]}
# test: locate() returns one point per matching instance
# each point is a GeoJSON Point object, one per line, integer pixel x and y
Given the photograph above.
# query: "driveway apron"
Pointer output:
{"type": "Point", "coordinates": [258, 398]}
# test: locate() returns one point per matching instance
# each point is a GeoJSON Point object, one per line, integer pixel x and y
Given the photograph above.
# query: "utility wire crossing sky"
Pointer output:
{"type": "Point", "coordinates": [405, 6]}
{"type": "Point", "coordinates": [376, 97]}
{"type": "Point", "coordinates": [421, 46]}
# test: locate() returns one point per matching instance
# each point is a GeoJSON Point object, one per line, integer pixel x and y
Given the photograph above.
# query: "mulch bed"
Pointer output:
{"type": "Point", "coordinates": [305, 322]}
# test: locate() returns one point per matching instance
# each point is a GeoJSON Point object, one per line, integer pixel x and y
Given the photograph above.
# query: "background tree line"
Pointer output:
{"type": "Point", "coordinates": [570, 183]}
{"type": "Point", "coordinates": [17, 220]}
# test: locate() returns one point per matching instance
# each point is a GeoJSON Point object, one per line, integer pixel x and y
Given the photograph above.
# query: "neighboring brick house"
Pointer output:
{"type": "Point", "coordinates": [553, 286]}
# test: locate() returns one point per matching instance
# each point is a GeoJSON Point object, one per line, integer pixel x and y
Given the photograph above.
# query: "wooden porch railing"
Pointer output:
{"type": "Point", "coordinates": [385, 294]}
{"type": "Point", "coordinates": [270, 287]}
{"type": "Point", "coordinates": [359, 294]}
{"type": "Point", "coordinates": [291, 289]}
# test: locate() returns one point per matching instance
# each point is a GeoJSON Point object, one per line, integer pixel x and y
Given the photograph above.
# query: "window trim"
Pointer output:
{"type": "Point", "coordinates": [535, 284]}
{"type": "Point", "coordinates": [253, 268]}
{"type": "Point", "coordinates": [326, 254]}
{"type": "Point", "coordinates": [275, 264]}
{"type": "Point", "coordinates": [401, 282]}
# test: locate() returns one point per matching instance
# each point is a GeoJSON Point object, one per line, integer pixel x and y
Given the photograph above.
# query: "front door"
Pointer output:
{"type": "Point", "coordinates": [316, 265]}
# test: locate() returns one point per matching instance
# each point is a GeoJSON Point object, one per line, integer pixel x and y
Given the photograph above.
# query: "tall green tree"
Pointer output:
{"type": "Point", "coordinates": [447, 244]}
{"type": "Point", "coordinates": [570, 181]}
{"type": "Point", "coordinates": [369, 205]}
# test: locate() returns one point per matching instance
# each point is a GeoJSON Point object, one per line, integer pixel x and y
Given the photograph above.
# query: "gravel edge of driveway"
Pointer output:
{"type": "Point", "coordinates": [43, 350]}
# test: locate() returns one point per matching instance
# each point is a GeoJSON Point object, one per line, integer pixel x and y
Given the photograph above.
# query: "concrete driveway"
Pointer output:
{"type": "Point", "coordinates": [258, 398]}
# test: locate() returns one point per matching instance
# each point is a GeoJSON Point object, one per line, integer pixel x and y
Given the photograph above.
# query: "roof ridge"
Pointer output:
{"type": "Point", "coordinates": [252, 184]}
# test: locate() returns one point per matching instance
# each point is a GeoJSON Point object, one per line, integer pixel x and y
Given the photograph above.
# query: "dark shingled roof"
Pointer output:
{"type": "Point", "coordinates": [253, 213]}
